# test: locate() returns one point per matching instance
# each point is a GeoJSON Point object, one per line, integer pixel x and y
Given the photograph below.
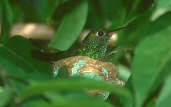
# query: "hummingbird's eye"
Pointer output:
{"type": "Point", "coordinates": [100, 33]}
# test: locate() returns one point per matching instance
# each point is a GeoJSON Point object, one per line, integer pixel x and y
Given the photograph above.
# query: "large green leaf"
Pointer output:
{"type": "Point", "coordinates": [17, 51]}
{"type": "Point", "coordinates": [164, 99]}
{"type": "Point", "coordinates": [151, 57]}
{"type": "Point", "coordinates": [162, 6]}
{"type": "Point", "coordinates": [71, 26]}
{"type": "Point", "coordinates": [40, 87]}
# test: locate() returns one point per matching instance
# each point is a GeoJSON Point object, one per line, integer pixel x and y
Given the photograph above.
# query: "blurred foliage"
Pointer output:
{"type": "Point", "coordinates": [25, 81]}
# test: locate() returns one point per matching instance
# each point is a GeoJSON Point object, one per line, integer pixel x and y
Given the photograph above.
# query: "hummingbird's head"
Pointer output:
{"type": "Point", "coordinates": [100, 37]}
{"type": "Point", "coordinates": [95, 44]}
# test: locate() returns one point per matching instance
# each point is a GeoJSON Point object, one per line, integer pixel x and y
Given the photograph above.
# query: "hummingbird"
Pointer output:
{"type": "Point", "coordinates": [93, 46]}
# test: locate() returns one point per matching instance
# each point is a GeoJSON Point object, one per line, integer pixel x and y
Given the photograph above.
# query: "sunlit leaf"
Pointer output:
{"type": "Point", "coordinates": [162, 6]}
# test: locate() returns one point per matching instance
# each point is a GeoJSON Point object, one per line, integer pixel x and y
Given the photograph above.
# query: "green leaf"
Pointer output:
{"type": "Point", "coordinates": [35, 101]}
{"type": "Point", "coordinates": [135, 5]}
{"type": "Point", "coordinates": [12, 71]}
{"type": "Point", "coordinates": [17, 51]}
{"type": "Point", "coordinates": [146, 28]}
{"type": "Point", "coordinates": [74, 104]}
{"type": "Point", "coordinates": [161, 23]}
{"type": "Point", "coordinates": [94, 18]}
{"type": "Point", "coordinates": [71, 26]}
{"type": "Point", "coordinates": [9, 67]}
{"type": "Point", "coordinates": [133, 35]}
{"type": "Point", "coordinates": [151, 57]}
{"type": "Point", "coordinates": [125, 101]}
{"type": "Point", "coordinates": [162, 6]}
{"type": "Point", "coordinates": [151, 103]}
{"type": "Point", "coordinates": [162, 76]}
{"type": "Point", "coordinates": [164, 99]}
{"type": "Point", "coordinates": [110, 13]}
{"type": "Point", "coordinates": [75, 99]}
{"type": "Point", "coordinates": [132, 7]}
{"type": "Point", "coordinates": [0, 16]}
{"type": "Point", "coordinates": [69, 96]}
{"type": "Point", "coordinates": [6, 20]}
{"type": "Point", "coordinates": [5, 96]}
{"type": "Point", "coordinates": [17, 77]}
{"type": "Point", "coordinates": [40, 87]}
{"type": "Point", "coordinates": [46, 8]}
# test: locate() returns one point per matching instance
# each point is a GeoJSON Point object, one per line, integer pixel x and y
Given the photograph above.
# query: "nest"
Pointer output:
{"type": "Point", "coordinates": [90, 68]}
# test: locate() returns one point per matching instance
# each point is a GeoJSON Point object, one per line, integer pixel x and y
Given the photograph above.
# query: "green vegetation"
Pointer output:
{"type": "Point", "coordinates": [28, 82]}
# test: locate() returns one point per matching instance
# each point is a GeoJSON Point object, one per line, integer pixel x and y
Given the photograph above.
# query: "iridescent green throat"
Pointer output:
{"type": "Point", "coordinates": [94, 50]}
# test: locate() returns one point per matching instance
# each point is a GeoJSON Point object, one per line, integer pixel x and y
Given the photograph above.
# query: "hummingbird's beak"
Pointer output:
{"type": "Point", "coordinates": [114, 31]}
